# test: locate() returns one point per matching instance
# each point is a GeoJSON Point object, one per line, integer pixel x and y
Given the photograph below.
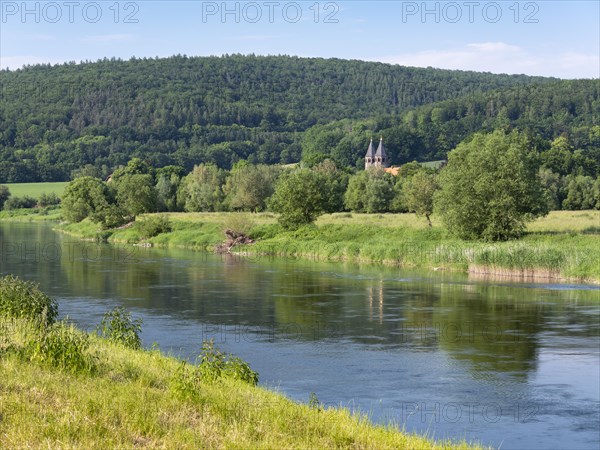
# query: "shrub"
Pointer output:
{"type": "Point", "coordinates": [185, 383]}
{"type": "Point", "coordinates": [117, 326]}
{"type": "Point", "coordinates": [239, 222]}
{"type": "Point", "coordinates": [313, 401]}
{"type": "Point", "coordinates": [4, 195]}
{"type": "Point", "coordinates": [20, 202]}
{"type": "Point", "coordinates": [215, 364]}
{"type": "Point", "coordinates": [23, 299]}
{"type": "Point", "coordinates": [154, 225]}
{"type": "Point", "coordinates": [61, 346]}
{"type": "Point", "coordinates": [50, 199]}
{"type": "Point", "coordinates": [212, 362]}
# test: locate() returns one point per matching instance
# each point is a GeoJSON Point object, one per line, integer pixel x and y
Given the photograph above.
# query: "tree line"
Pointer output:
{"type": "Point", "coordinates": [493, 184]}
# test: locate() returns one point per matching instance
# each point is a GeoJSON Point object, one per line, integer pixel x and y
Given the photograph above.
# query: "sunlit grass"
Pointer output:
{"type": "Point", "coordinates": [31, 215]}
{"type": "Point", "coordinates": [36, 189]}
{"type": "Point", "coordinates": [567, 222]}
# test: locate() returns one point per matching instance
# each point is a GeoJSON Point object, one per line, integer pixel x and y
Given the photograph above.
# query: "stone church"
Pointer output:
{"type": "Point", "coordinates": [376, 158]}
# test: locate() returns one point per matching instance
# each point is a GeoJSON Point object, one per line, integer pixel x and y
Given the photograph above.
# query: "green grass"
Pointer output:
{"type": "Point", "coordinates": [82, 391]}
{"type": "Point", "coordinates": [31, 215]}
{"type": "Point", "coordinates": [36, 189]}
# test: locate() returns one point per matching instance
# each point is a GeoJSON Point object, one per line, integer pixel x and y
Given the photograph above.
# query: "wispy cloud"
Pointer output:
{"type": "Point", "coordinates": [255, 37]}
{"type": "Point", "coordinates": [500, 57]}
{"type": "Point", "coordinates": [103, 38]}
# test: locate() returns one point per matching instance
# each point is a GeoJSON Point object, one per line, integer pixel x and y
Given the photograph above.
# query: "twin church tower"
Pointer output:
{"type": "Point", "coordinates": [376, 158]}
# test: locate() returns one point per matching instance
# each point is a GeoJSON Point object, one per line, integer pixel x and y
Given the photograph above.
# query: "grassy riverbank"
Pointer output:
{"type": "Point", "coordinates": [563, 245]}
{"type": "Point", "coordinates": [31, 215]}
{"type": "Point", "coordinates": [63, 388]}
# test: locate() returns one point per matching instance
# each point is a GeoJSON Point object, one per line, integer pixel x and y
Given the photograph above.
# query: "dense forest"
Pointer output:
{"type": "Point", "coordinates": [568, 109]}
{"type": "Point", "coordinates": [185, 111]}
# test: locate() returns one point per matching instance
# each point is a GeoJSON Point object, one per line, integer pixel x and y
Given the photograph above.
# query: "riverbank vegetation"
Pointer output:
{"type": "Point", "coordinates": [63, 387]}
{"type": "Point", "coordinates": [562, 245]}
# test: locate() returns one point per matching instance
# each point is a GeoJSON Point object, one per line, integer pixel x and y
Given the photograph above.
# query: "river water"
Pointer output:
{"type": "Point", "coordinates": [507, 364]}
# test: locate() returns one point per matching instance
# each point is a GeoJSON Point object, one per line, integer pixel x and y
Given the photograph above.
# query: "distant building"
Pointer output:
{"type": "Point", "coordinates": [379, 158]}
{"type": "Point", "coordinates": [376, 158]}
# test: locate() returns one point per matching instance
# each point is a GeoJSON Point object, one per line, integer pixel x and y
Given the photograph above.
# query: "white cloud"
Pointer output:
{"type": "Point", "coordinates": [255, 37]}
{"type": "Point", "coordinates": [499, 57]}
{"type": "Point", "coordinates": [494, 47]}
{"type": "Point", "coordinates": [103, 38]}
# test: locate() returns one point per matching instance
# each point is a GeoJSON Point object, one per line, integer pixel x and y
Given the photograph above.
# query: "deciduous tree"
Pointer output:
{"type": "Point", "coordinates": [490, 188]}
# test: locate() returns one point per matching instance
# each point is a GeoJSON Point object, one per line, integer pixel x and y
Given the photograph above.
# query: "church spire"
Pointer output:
{"type": "Point", "coordinates": [381, 155]}
{"type": "Point", "coordinates": [370, 156]}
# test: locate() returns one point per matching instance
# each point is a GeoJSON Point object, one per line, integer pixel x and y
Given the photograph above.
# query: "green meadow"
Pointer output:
{"type": "Point", "coordinates": [36, 189]}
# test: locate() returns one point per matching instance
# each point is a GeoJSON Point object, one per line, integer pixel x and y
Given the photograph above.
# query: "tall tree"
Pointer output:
{"type": "Point", "coordinates": [86, 197]}
{"type": "Point", "coordinates": [490, 188]}
{"type": "Point", "coordinates": [249, 186]}
{"type": "Point", "coordinates": [299, 198]}
{"type": "Point", "coordinates": [136, 194]}
{"type": "Point", "coordinates": [201, 190]}
{"type": "Point", "coordinates": [418, 193]}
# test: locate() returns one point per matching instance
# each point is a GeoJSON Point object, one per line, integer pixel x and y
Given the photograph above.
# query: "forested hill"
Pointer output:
{"type": "Point", "coordinates": [568, 108]}
{"type": "Point", "coordinates": [180, 110]}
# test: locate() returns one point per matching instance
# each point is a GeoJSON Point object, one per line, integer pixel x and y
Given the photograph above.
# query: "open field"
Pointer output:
{"type": "Point", "coordinates": [124, 398]}
{"type": "Point", "coordinates": [36, 189]}
{"type": "Point", "coordinates": [563, 245]}
{"type": "Point", "coordinates": [568, 222]}
{"type": "Point", "coordinates": [554, 222]}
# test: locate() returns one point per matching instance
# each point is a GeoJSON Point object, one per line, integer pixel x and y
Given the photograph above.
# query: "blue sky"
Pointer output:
{"type": "Point", "coordinates": [550, 38]}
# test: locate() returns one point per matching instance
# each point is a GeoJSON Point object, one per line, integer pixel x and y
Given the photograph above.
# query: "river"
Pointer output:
{"type": "Point", "coordinates": [505, 363]}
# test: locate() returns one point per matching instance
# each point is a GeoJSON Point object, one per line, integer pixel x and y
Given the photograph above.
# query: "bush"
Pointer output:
{"type": "Point", "coordinates": [215, 364]}
{"type": "Point", "coordinates": [154, 225]}
{"type": "Point", "coordinates": [23, 299]}
{"type": "Point", "coordinates": [50, 199]}
{"type": "Point", "coordinates": [20, 202]}
{"type": "Point", "coordinates": [117, 326]}
{"type": "Point", "coordinates": [238, 222]}
{"type": "Point", "coordinates": [61, 346]}
{"type": "Point", "coordinates": [4, 195]}
{"type": "Point", "coordinates": [185, 383]}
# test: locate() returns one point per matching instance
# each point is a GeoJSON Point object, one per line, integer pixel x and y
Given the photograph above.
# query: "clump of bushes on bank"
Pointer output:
{"type": "Point", "coordinates": [152, 226]}
{"type": "Point", "coordinates": [23, 300]}
{"type": "Point", "coordinates": [118, 327]}
{"type": "Point", "coordinates": [213, 366]}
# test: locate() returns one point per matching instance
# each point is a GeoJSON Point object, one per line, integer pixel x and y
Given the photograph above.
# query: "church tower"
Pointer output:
{"type": "Point", "coordinates": [370, 156]}
{"type": "Point", "coordinates": [376, 158]}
